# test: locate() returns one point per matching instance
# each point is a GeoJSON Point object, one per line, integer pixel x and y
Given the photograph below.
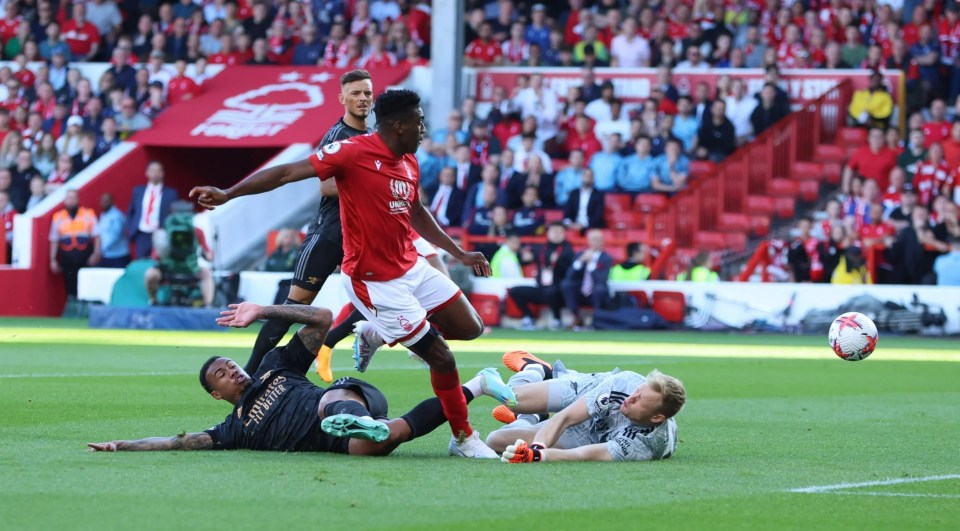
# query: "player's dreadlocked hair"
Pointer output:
{"type": "Point", "coordinates": [395, 104]}
{"type": "Point", "coordinates": [203, 373]}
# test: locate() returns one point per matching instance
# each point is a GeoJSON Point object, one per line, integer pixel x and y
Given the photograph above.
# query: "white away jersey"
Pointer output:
{"type": "Point", "coordinates": [625, 440]}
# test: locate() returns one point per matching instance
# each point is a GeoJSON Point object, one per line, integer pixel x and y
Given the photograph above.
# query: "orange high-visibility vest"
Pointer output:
{"type": "Point", "coordinates": [74, 234]}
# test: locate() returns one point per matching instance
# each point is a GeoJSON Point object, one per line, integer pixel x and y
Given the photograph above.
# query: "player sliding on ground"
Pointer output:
{"type": "Point", "coordinates": [279, 409]}
{"type": "Point", "coordinates": [609, 416]}
{"type": "Point", "coordinates": [378, 178]}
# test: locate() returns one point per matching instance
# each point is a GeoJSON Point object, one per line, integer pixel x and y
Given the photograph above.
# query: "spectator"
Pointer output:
{"type": "Point", "coordinates": [589, 47]}
{"type": "Point", "coordinates": [21, 174]}
{"type": "Point", "coordinates": [149, 207]}
{"type": "Point", "coordinates": [584, 209]}
{"type": "Point", "coordinates": [466, 173]}
{"type": "Point", "coordinates": [489, 175]}
{"type": "Point", "coordinates": [454, 123]}
{"type": "Point", "coordinates": [499, 227]}
{"type": "Point", "coordinates": [911, 262]}
{"type": "Point", "coordinates": [872, 161]}
{"type": "Point", "coordinates": [873, 105]}
{"type": "Point", "coordinates": [694, 60]}
{"type": "Point", "coordinates": [483, 51]}
{"type": "Point", "coordinates": [767, 112]}
{"type": "Point", "coordinates": [538, 32]}
{"type": "Point", "coordinates": [877, 231]}
{"type": "Point", "coordinates": [606, 164]}
{"type": "Point", "coordinates": [505, 262]}
{"type": "Point", "coordinates": [937, 128]}
{"type": "Point", "coordinates": [589, 87]}
{"type": "Point", "coordinates": [552, 260]}
{"type": "Point", "coordinates": [951, 146]}
{"type": "Point", "coordinates": [480, 220]}
{"type": "Point", "coordinates": [892, 196]}
{"type": "Point", "coordinates": [483, 146]}
{"type": "Point", "coordinates": [69, 142]}
{"type": "Point", "coordinates": [81, 36]}
{"type": "Point", "coordinates": [529, 150]}
{"type": "Point", "coordinates": [599, 109]}
{"type": "Point", "coordinates": [582, 138]}
{"type": "Point", "coordinates": [261, 55]}
{"type": "Point", "coordinates": [540, 102]}
{"type": "Point", "coordinates": [586, 283]}
{"type": "Point", "coordinates": [37, 192]}
{"type": "Point", "coordinates": [926, 54]}
{"type": "Point", "coordinates": [536, 176]}
{"type": "Point", "coordinates": [154, 105]}
{"type": "Point", "coordinates": [528, 220]}
{"type": "Point", "coordinates": [54, 44]}
{"type": "Point", "coordinates": [377, 56]}
{"type": "Point", "coordinates": [913, 156]}
{"type": "Point", "coordinates": [671, 169]}
{"type": "Point", "coordinates": [88, 152]}
{"type": "Point", "coordinates": [618, 123]}
{"type": "Point", "coordinates": [108, 138]}
{"type": "Point", "coordinates": [45, 154]}
{"type": "Point", "coordinates": [852, 268]}
{"type": "Point", "coordinates": [699, 271]}
{"type": "Point", "coordinates": [635, 174]}
{"type": "Point", "coordinates": [569, 178]}
{"type": "Point", "coordinates": [181, 87]}
{"type": "Point", "coordinates": [716, 139]}
{"type": "Point", "coordinates": [515, 50]}
{"type": "Point", "coordinates": [448, 201]}
{"type": "Point", "coordinates": [853, 52]}
{"type": "Point", "coordinates": [74, 241]}
{"type": "Point", "coordinates": [739, 110]}
{"type": "Point", "coordinates": [62, 173]}
{"type": "Point", "coordinates": [628, 49]}
{"type": "Point", "coordinates": [7, 213]}
{"type": "Point", "coordinates": [685, 124]}
{"type": "Point", "coordinates": [933, 177]}
{"type": "Point", "coordinates": [701, 101]}
{"type": "Point", "coordinates": [284, 255]}
{"type": "Point", "coordinates": [946, 267]}
{"type": "Point", "coordinates": [113, 237]}
{"type": "Point", "coordinates": [130, 120]}
{"type": "Point", "coordinates": [634, 268]}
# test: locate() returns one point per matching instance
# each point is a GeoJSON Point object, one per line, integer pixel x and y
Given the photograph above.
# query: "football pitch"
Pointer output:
{"type": "Point", "coordinates": [777, 433]}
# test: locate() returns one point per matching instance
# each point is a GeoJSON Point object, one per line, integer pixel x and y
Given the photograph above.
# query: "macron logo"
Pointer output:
{"type": "Point", "coordinates": [377, 162]}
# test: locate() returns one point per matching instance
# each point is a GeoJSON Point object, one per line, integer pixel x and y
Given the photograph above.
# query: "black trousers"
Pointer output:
{"type": "Point", "coordinates": [70, 263]}
{"type": "Point", "coordinates": [524, 296]}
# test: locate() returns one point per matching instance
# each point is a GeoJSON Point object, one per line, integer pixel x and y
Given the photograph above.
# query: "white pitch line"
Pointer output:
{"type": "Point", "coordinates": [894, 494]}
{"type": "Point", "coordinates": [897, 481]}
{"type": "Point", "coordinates": [412, 366]}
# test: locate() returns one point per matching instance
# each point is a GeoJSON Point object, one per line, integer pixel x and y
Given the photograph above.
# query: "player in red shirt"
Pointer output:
{"type": "Point", "coordinates": [81, 36]}
{"type": "Point", "coordinates": [483, 51]}
{"type": "Point", "coordinates": [872, 161]}
{"type": "Point", "coordinates": [377, 179]}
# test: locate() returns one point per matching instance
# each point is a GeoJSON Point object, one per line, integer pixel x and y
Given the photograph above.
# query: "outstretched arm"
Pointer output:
{"type": "Point", "coordinates": [422, 221]}
{"type": "Point", "coordinates": [317, 320]}
{"type": "Point", "coordinates": [183, 441]}
{"type": "Point", "coordinates": [573, 414]}
{"type": "Point", "coordinates": [263, 181]}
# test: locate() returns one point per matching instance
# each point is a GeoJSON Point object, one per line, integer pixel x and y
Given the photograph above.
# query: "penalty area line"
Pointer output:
{"type": "Point", "coordinates": [846, 486]}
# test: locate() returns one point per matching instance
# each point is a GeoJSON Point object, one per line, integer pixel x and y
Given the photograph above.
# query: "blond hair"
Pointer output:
{"type": "Point", "coordinates": [671, 390]}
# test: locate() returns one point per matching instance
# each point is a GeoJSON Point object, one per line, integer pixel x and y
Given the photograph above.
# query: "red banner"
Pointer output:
{"type": "Point", "coordinates": [259, 106]}
{"type": "Point", "coordinates": [633, 85]}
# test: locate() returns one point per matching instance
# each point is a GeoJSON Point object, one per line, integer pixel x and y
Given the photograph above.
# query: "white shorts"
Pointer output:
{"type": "Point", "coordinates": [399, 308]}
{"type": "Point", "coordinates": [423, 247]}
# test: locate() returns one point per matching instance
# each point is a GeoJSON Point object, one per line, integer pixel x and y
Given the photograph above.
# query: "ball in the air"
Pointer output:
{"type": "Point", "coordinates": [853, 336]}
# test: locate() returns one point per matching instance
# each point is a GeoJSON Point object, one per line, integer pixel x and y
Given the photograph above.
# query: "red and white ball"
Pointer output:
{"type": "Point", "coordinates": [853, 336]}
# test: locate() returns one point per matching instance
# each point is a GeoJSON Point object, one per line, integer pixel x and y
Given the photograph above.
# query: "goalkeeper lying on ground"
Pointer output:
{"type": "Point", "coordinates": [610, 416]}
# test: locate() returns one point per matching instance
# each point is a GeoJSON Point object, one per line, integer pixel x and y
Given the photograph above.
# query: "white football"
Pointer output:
{"type": "Point", "coordinates": [853, 336]}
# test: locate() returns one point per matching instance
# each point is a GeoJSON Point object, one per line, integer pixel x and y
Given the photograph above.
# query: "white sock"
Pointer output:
{"type": "Point", "coordinates": [473, 385]}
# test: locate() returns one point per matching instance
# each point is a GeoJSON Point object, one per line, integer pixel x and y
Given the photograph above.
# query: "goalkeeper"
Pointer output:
{"type": "Point", "coordinates": [611, 416]}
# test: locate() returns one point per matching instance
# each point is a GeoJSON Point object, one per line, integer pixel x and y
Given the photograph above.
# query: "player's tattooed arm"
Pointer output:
{"type": "Point", "coordinates": [183, 441]}
{"type": "Point", "coordinates": [317, 321]}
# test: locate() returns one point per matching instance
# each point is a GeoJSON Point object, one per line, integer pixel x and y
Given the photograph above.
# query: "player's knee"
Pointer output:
{"type": "Point", "coordinates": [497, 440]}
{"type": "Point", "coordinates": [474, 329]}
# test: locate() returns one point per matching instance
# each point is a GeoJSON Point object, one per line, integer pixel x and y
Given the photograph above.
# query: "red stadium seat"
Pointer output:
{"type": "Point", "coordinates": [830, 153]}
{"type": "Point", "coordinates": [760, 204]}
{"type": "Point", "coordinates": [649, 202]}
{"type": "Point", "coordinates": [852, 136]}
{"type": "Point", "coordinates": [623, 220]}
{"type": "Point", "coordinates": [760, 225]}
{"type": "Point", "coordinates": [710, 241]}
{"type": "Point", "coordinates": [513, 311]}
{"type": "Point", "coordinates": [785, 207]}
{"type": "Point", "coordinates": [833, 172]}
{"type": "Point", "coordinates": [488, 306]}
{"type": "Point", "coordinates": [701, 168]}
{"type": "Point", "coordinates": [783, 188]}
{"type": "Point", "coordinates": [736, 241]}
{"type": "Point", "coordinates": [808, 170]}
{"type": "Point", "coordinates": [616, 202]}
{"type": "Point", "coordinates": [809, 190]}
{"type": "Point", "coordinates": [733, 222]}
{"type": "Point", "coordinates": [552, 214]}
{"type": "Point", "coordinates": [643, 301]}
{"type": "Point", "coordinates": [671, 305]}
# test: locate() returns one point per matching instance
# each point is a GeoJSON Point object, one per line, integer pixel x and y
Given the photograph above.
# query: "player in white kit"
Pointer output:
{"type": "Point", "coordinates": [609, 416]}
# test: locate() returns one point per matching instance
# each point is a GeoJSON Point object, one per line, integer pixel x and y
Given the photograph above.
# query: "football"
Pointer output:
{"type": "Point", "coordinates": [853, 336]}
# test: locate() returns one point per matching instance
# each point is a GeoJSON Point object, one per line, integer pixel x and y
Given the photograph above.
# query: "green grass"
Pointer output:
{"type": "Point", "coordinates": [766, 414]}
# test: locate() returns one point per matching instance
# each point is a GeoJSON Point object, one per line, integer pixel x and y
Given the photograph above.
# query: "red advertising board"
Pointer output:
{"type": "Point", "coordinates": [633, 85]}
{"type": "Point", "coordinates": [259, 106]}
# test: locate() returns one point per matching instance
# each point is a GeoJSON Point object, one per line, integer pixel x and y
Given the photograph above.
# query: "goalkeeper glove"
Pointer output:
{"type": "Point", "coordinates": [521, 452]}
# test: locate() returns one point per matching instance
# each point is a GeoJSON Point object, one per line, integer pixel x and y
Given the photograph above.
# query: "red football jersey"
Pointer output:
{"type": "Point", "coordinates": [80, 40]}
{"type": "Point", "coordinates": [377, 192]}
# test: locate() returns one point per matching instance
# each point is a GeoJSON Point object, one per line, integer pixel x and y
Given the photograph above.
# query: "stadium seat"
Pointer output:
{"type": "Point", "coordinates": [760, 204]}
{"type": "Point", "coordinates": [710, 241]}
{"type": "Point", "coordinates": [551, 215]}
{"type": "Point", "coordinates": [634, 235]}
{"type": "Point", "coordinates": [783, 188]}
{"type": "Point", "coordinates": [643, 300]}
{"type": "Point", "coordinates": [852, 136]}
{"type": "Point", "coordinates": [649, 202]}
{"type": "Point", "coordinates": [808, 170]}
{"type": "Point", "coordinates": [736, 241]}
{"type": "Point", "coordinates": [760, 225]}
{"type": "Point", "coordinates": [671, 305]}
{"type": "Point", "coordinates": [488, 306]}
{"type": "Point", "coordinates": [623, 220]}
{"type": "Point", "coordinates": [833, 172]}
{"type": "Point", "coordinates": [734, 222]}
{"type": "Point", "coordinates": [830, 153]}
{"type": "Point", "coordinates": [701, 168]}
{"type": "Point", "coordinates": [785, 207]}
{"type": "Point", "coordinates": [512, 311]}
{"type": "Point", "coordinates": [616, 202]}
{"type": "Point", "coordinates": [809, 190]}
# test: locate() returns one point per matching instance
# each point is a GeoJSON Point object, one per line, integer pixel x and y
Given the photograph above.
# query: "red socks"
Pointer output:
{"type": "Point", "coordinates": [446, 385]}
